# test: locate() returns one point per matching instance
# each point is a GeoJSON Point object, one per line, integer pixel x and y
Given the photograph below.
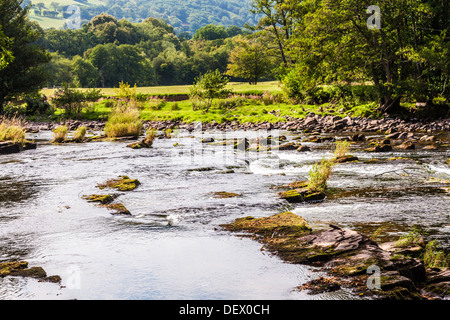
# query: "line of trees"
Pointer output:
{"type": "Point", "coordinates": [306, 44]}
{"type": "Point", "coordinates": [322, 42]}
{"type": "Point", "coordinates": [106, 51]}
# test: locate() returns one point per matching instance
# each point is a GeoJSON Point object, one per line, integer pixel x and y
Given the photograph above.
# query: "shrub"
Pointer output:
{"type": "Point", "coordinates": [125, 91]}
{"type": "Point", "coordinates": [318, 176]}
{"type": "Point", "coordinates": [123, 122]}
{"type": "Point", "coordinates": [11, 129]}
{"type": "Point", "coordinates": [60, 133]}
{"type": "Point", "coordinates": [209, 86]}
{"type": "Point", "coordinates": [69, 99]}
{"type": "Point", "coordinates": [36, 105]}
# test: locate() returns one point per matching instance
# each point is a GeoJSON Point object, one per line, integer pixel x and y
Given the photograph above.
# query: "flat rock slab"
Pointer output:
{"type": "Point", "coordinates": [345, 254]}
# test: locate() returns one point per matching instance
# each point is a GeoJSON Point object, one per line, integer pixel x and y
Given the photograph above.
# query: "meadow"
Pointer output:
{"type": "Point", "coordinates": [263, 102]}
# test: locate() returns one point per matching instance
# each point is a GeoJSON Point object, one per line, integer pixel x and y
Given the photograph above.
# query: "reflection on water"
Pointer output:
{"type": "Point", "coordinates": [172, 247]}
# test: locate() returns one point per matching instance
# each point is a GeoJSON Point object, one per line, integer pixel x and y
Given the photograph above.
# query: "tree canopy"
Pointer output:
{"type": "Point", "coordinates": [24, 74]}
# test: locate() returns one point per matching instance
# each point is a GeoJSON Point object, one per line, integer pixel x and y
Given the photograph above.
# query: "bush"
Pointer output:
{"type": "Point", "coordinates": [69, 99]}
{"type": "Point", "coordinates": [36, 105]}
{"type": "Point", "coordinates": [342, 147]}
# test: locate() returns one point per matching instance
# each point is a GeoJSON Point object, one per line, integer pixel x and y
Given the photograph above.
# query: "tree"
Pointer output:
{"type": "Point", "coordinates": [84, 72]}
{"type": "Point", "coordinates": [407, 57]}
{"type": "Point", "coordinates": [249, 60]}
{"type": "Point", "coordinates": [276, 17]}
{"type": "Point", "coordinates": [209, 86]}
{"type": "Point", "coordinates": [25, 74]}
{"type": "Point", "coordinates": [210, 32]}
{"type": "Point", "coordinates": [5, 54]}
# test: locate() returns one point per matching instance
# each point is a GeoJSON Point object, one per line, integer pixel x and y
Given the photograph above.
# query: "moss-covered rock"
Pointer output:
{"type": "Point", "coordinates": [301, 195]}
{"type": "Point", "coordinates": [286, 223]}
{"type": "Point", "coordinates": [346, 158]}
{"type": "Point", "coordinates": [123, 183]}
{"type": "Point", "coordinates": [224, 194]}
{"type": "Point", "coordinates": [101, 198]}
{"type": "Point", "coordinates": [20, 269]}
{"type": "Point", "coordinates": [117, 208]}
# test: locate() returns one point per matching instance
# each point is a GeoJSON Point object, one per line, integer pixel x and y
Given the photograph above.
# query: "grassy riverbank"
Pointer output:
{"type": "Point", "coordinates": [263, 102]}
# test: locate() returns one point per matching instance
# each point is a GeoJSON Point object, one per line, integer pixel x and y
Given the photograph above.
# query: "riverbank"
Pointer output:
{"type": "Point", "coordinates": [312, 123]}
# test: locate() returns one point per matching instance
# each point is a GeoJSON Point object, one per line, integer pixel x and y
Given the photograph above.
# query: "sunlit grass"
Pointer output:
{"type": "Point", "coordinates": [123, 121]}
{"type": "Point", "coordinates": [60, 133]}
{"type": "Point", "coordinates": [12, 129]}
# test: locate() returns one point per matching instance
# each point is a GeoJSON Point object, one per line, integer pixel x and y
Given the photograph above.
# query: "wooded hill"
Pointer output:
{"type": "Point", "coordinates": [184, 16]}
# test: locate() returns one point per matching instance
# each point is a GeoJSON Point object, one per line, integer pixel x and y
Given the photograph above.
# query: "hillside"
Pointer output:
{"type": "Point", "coordinates": [187, 15]}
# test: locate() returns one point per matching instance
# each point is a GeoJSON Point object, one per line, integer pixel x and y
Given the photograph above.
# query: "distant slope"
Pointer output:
{"type": "Point", "coordinates": [183, 15]}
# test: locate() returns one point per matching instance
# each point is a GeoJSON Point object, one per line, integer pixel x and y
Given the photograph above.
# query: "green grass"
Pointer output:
{"type": "Point", "coordinates": [252, 108]}
{"type": "Point", "coordinates": [57, 22]}
{"type": "Point", "coordinates": [237, 87]}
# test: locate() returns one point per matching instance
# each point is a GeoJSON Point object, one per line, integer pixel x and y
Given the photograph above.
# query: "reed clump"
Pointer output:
{"type": "Point", "coordinates": [318, 176]}
{"type": "Point", "coordinates": [12, 129]}
{"type": "Point", "coordinates": [60, 133]}
{"type": "Point", "coordinates": [79, 134]}
{"type": "Point", "coordinates": [342, 148]}
{"type": "Point", "coordinates": [123, 122]}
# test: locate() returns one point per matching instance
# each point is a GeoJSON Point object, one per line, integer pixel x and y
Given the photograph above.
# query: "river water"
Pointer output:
{"type": "Point", "coordinates": [172, 245]}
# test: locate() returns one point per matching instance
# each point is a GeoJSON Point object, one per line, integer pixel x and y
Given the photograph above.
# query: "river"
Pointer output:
{"type": "Point", "coordinates": [172, 245]}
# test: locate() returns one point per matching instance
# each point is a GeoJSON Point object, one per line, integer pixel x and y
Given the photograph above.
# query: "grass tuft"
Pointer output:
{"type": "Point", "coordinates": [12, 129]}
{"type": "Point", "coordinates": [318, 176]}
{"type": "Point", "coordinates": [123, 122]}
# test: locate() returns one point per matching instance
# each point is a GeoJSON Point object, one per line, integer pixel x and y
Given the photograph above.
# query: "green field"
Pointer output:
{"type": "Point", "coordinates": [237, 87]}
{"type": "Point", "coordinates": [250, 108]}
{"type": "Point", "coordinates": [57, 22]}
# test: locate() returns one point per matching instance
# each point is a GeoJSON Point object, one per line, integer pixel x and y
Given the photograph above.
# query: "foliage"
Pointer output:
{"type": "Point", "coordinates": [342, 147]}
{"type": "Point", "coordinates": [434, 256]}
{"type": "Point", "coordinates": [5, 54]}
{"type": "Point", "coordinates": [24, 74]}
{"type": "Point", "coordinates": [37, 104]}
{"type": "Point", "coordinates": [406, 58]}
{"type": "Point", "coordinates": [69, 99]}
{"type": "Point", "coordinates": [209, 86]}
{"type": "Point", "coordinates": [12, 129]}
{"type": "Point", "coordinates": [318, 176]}
{"type": "Point", "coordinates": [123, 121]}
{"type": "Point", "coordinates": [249, 60]}
{"type": "Point", "coordinates": [59, 134]}
{"type": "Point", "coordinates": [125, 91]}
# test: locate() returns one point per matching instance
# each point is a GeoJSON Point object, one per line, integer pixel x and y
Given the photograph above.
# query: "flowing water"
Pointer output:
{"type": "Point", "coordinates": [172, 246]}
